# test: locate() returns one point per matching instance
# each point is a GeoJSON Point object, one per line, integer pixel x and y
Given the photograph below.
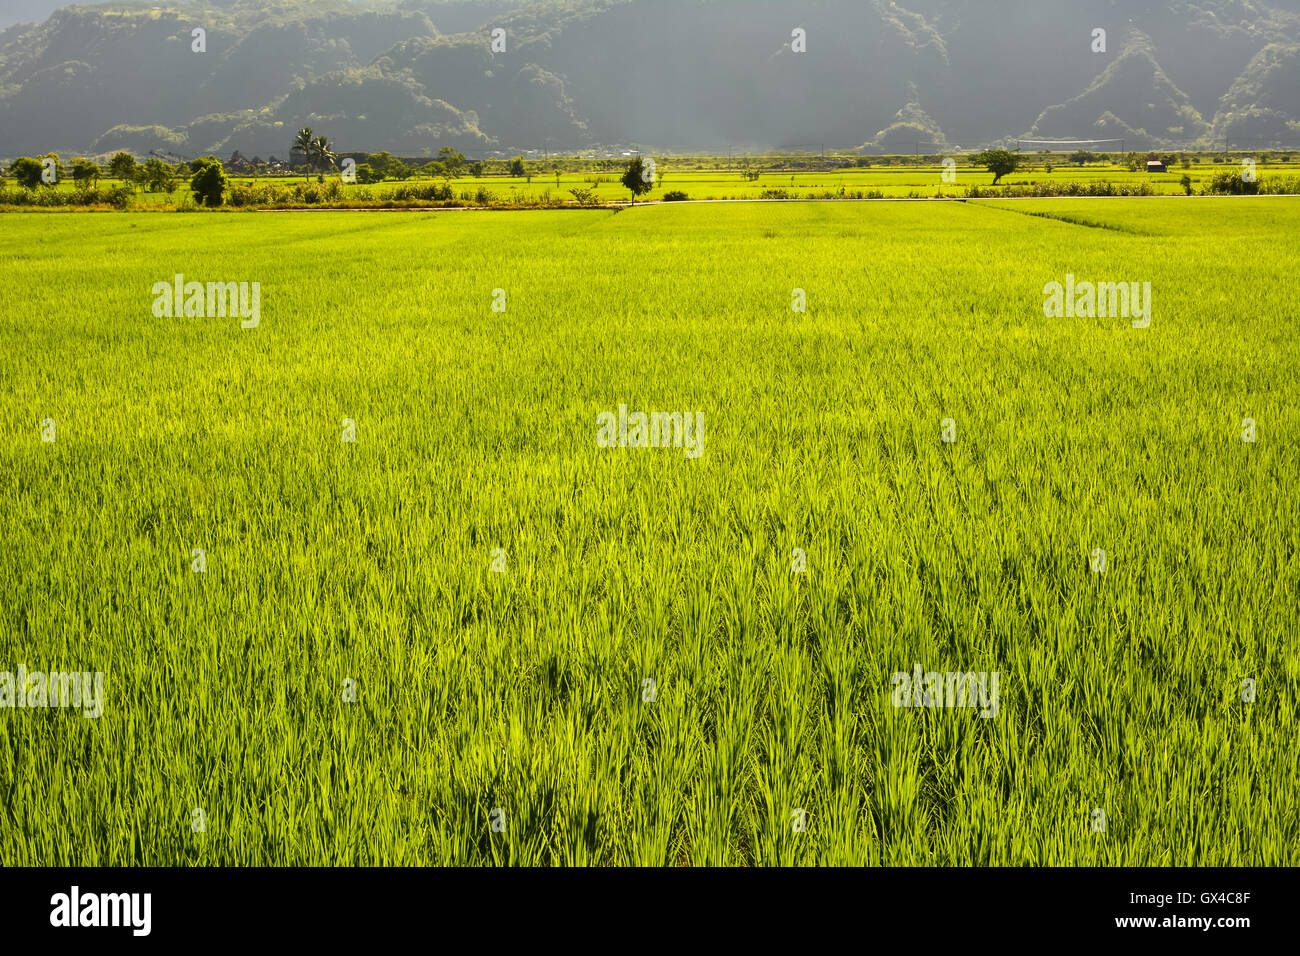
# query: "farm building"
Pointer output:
{"type": "Point", "coordinates": [1156, 166]}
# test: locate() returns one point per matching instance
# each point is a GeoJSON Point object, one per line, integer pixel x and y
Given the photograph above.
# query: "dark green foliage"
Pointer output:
{"type": "Point", "coordinates": [208, 182]}
{"type": "Point", "coordinates": [637, 179]}
{"type": "Point", "coordinates": [26, 171]}
{"type": "Point", "coordinates": [1000, 162]}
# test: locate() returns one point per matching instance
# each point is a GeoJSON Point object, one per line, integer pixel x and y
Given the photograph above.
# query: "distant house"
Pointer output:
{"type": "Point", "coordinates": [1156, 166]}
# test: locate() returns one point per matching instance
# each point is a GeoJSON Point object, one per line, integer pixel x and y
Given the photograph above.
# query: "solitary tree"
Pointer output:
{"type": "Point", "coordinates": [27, 171]}
{"type": "Point", "coordinates": [209, 181]}
{"type": "Point", "coordinates": [60, 173]}
{"type": "Point", "coordinates": [1000, 162]}
{"type": "Point", "coordinates": [382, 163]}
{"type": "Point", "coordinates": [452, 160]}
{"type": "Point", "coordinates": [155, 174]}
{"type": "Point", "coordinates": [638, 178]}
{"type": "Point", "coordinates": [85, 172]}
{"type": "Point", "coordinates": [303, 144]}
{"type": "Point", "coordinates": [122, 166]}
{"type": "Point", "coordinates": [322, 155]}
{"type": "Point", "coordinates": [517, 167]}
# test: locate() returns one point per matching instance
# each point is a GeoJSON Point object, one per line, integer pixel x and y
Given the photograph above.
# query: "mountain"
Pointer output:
{"type": "Point", "coordinates": [1261, 105]}
{"type": "Point", "coordinates": [1133, 99]}
{"type": "Point", "coordinates": [413, 75]}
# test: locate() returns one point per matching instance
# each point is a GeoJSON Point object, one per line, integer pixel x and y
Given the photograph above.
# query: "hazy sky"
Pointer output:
{"type": "Point", "coordinates": [35, 11]}
{"type": "Point", "coordinates": [17, 11]}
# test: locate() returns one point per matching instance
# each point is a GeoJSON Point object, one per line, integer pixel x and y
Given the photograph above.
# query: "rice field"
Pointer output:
{"type": "Point", "coordinates": [728, 182]}
{"type": "Point", "coordinates": [366, 586]}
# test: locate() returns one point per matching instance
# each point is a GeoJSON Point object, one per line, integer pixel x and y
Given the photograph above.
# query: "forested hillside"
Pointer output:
{"type": "Point", "coordinates": [414, 75]}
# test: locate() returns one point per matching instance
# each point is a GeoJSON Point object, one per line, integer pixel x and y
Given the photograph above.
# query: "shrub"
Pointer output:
{"type": "Point", "coordinates": [1061, 189]}
{"type": "Point", "coordinates": [675, 195]}
{"type": "Point", "coordinates": [1279, 185]}
{"type": "Point", "coordinates": [307, 193]}
{"type": "Point", "coordinates": [117, 196]}
{"type": "Point", "coordinates": [428, 192]}
{"type": "Point", "coordinates": [256, 194]}
{"type": "Point", "coordinates": [209, 181]}
{"type": "Point", "coordinates": [1231, 184]}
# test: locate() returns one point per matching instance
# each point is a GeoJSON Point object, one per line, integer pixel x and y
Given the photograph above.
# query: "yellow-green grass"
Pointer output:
{"type": "Point", "coordinates": [729, 183]}
{"type": "Point", "coordinates": [523, 689]}
{"type": "Point", "coordinates": [888, 181]}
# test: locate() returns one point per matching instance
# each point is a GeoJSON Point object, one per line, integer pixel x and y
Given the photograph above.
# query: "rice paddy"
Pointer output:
{"type": "Point", "coordinates": [365, 587]}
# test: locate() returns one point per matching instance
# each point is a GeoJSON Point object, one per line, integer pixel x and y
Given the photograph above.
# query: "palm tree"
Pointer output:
{"type": "Point", "coordinates": [304, 144]}
{"type": "Point", "coordinates": [322, 153]}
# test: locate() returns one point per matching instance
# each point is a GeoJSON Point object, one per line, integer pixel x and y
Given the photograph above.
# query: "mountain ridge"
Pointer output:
{"type": "Point", "coordinates": [670, 74]}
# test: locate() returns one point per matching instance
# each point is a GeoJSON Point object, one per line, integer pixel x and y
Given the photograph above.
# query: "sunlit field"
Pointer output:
{"type": "Point", "coordinates": [474, 635]}
{"type": "Point", "coordinates": [879, 181]}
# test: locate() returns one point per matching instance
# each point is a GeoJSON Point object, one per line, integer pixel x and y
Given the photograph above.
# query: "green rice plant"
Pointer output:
{"type": "Point", "coordinates": [365, 588]}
